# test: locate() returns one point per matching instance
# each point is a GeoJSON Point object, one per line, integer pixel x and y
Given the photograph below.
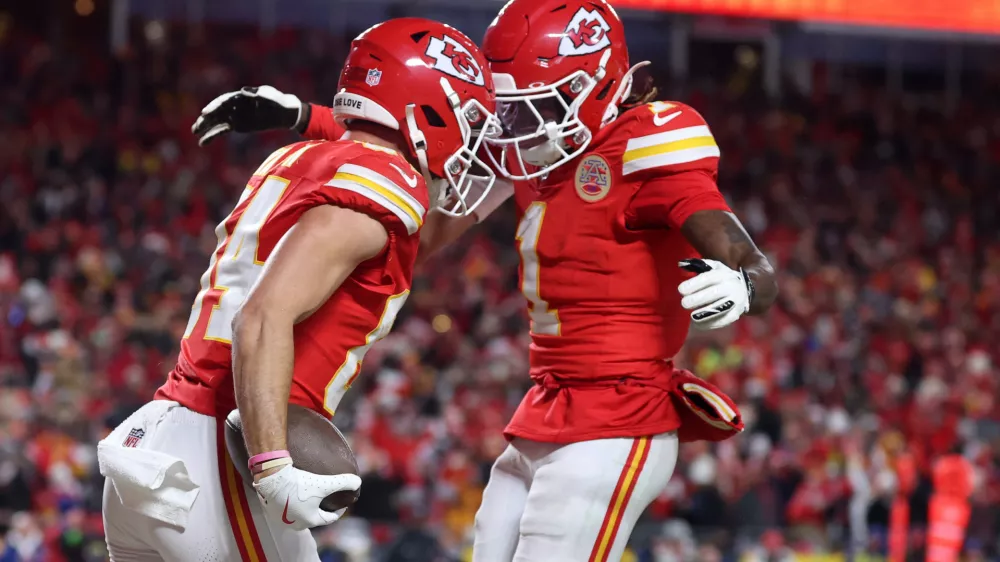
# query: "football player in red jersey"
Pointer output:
{"type": "Point", "coordinates": [312, 267]}
{"type": "Point", "coordinates": [618, 207]}
{"type": "Point", "coordinates": [625, 243]}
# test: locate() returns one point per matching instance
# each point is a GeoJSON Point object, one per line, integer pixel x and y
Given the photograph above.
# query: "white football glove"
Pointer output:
{"type": "Point", "coordinates": [717, 295]}
{"type": "Point", "coordinates": [249, 110]}
{"type": "Point", "coordinates": [292, 496]}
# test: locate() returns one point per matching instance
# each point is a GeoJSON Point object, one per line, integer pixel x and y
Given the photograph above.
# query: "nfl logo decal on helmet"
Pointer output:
{"type": "Point", "coordinates": [593, 178]}
{"type": "Point", "coordinates": [586, 33]}
{"type": "Point", "coordinates": [374, 77]}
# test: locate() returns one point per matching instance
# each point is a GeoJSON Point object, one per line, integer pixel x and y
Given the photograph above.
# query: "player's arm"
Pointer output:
{"type": "Point", "coordinates": [718, 235]}
{"type": "Point", "coordinates": [261, 108]}
{"type": "Point", "coordinates": [308, 265]}
{"type": "Point", "coordinates": [676, 165]}
{"type": "Point", "coordinates": [440, 229]}
{"type": "Point", "coordinates": [732, 277]}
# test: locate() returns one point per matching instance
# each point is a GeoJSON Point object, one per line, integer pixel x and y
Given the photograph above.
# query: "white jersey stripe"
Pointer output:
{"type": "Point", "coordinates": [667, 159]}
{"type": "Point", "coordinates": [385, 182]}
{"type": "Point", "coordinates": [404, 215]}
{"type": "Point", "coordinates": [669, 136]}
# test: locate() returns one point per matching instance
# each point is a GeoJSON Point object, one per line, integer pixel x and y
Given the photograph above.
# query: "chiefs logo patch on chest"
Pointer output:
{"type": "Point", "coordinates": [587, 33]}
{"type": "Point", "coordinates": [593, 178]}
{"type": "Point", "coordinates": [452, 58]}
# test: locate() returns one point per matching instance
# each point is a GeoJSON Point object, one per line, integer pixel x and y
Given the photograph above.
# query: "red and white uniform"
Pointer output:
{"type": "Point", "coordinates": [331, 343]}
{"type": "Point", "coordinates": [595, 440]}
{"type": "Point", "coordinates": [185, 422]}
{"type": "Point", "coordinates": [600, 240]}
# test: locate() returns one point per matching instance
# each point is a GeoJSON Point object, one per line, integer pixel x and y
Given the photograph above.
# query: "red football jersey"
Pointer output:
{"type": "Point", "coordinates": [600, 243]}
{"type": "Point", "coordinates": [330, 344]}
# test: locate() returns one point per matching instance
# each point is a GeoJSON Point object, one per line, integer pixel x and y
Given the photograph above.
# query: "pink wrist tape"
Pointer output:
{"type": "Point", "coordinates": [268, 465]}
{"type": "Point", "coordinates": [264, 457]}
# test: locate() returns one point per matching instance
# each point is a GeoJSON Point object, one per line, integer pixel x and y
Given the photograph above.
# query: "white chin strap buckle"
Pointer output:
{"type": "Point", "coordinates": [551, 130]}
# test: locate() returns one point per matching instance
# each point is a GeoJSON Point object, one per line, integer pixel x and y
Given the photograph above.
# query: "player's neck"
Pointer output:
{"type": "Point", "coordinates": [369, 138]}
{"type": "Point", "coordinates": [361, 131]}
{"type": "Point", "coordinates": [370, 133]}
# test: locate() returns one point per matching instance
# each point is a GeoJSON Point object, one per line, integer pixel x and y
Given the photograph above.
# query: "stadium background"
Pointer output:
{"type": "Point", "coordinates": [859, 146]}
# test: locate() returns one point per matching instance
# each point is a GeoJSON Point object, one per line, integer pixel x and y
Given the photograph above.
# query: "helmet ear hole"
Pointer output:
{"type": "Point", "coordinates": [605, 90]}
{"type": "Point", "coordinates": [433, 118]}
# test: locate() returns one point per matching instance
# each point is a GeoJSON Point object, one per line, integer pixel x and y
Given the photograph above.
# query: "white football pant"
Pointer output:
{"type": "Point", "coordinates": [570, 503]}
{"type": "Point", "coordinates": [225, 522]}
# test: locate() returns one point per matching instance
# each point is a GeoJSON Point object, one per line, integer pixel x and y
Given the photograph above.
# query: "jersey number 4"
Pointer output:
{"type": "Point", "coordinates": [544, 319]}
{"type": "Point", "coordinates": [235, 265]}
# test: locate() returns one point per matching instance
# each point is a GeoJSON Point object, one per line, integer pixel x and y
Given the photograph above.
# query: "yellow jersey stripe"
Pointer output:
{"type": "Point", "coordinates": [682, 156]}
{"type": "Point", "coordinates": [667, 147]}
{"type": "Point", "coordinates": [378, 194]}
{"type": "Point", "coordinates": [390, 184]}
{"type": "Point", "coordinates": [668, 136]}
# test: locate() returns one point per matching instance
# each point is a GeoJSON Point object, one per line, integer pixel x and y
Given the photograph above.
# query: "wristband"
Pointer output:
{"type": "Point", "coordinates": [751, 290]}
{"type": "Point", "coordinates": [268, 465]}
{"type": "Point", "coordinates": [303, 118]}
{"type": "Point", "coordinates": [264, 457]}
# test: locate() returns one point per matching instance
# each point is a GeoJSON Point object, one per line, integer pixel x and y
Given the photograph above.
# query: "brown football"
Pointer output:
{"type": "Point", "coordinates": [315, 444]}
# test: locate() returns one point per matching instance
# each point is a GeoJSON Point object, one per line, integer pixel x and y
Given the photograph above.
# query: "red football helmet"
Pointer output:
{"type": "Point", "coordinates": [431, 83]}
{"type": "Point", "coordinates": [561, 69]}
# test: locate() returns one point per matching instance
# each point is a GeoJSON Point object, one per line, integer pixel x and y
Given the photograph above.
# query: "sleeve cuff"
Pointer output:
{"type": "Point", "coordinates": [321, 125]}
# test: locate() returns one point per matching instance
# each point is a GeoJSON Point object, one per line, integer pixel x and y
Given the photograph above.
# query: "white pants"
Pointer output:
{"type": "Point", "coordinates": [226, 521]}
{"type": "Point", "coordinates": [570, 503]}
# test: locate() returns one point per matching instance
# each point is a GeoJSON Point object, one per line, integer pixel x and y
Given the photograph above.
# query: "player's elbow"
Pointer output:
{"type": "Point", "coordinates": [252, 321]}
{"type": "Point", "coordinates": [247, 325]}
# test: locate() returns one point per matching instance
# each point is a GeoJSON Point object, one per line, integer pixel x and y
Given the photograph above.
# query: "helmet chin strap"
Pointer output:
{"type": "Point", "coordinates": [420, 147]}
{"type": "Point", "coordinates": [419, 142]}
{"type": "Point", "coordinates": [544, 154]}
{"type": "Point", "coordinates": [624, 89]}
{"type": "Point", "coordinates": [602, 66]}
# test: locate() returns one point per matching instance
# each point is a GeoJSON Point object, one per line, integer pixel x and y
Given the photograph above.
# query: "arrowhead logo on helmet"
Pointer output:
{"type": "Point", "coordinates": [452, 58]}
{"type": "Point", "coordinates": [587, 33]}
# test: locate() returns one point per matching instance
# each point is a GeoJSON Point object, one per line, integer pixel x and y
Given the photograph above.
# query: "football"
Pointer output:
{"type": "Point", "coordinates": [316, 446]}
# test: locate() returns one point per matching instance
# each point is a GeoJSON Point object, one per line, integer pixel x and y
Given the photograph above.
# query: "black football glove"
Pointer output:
{"type": "Point", "coordinates": [249, 110]}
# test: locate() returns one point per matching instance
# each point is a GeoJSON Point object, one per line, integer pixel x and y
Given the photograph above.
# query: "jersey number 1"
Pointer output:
{"type": "Point", "coordinates": [544, 321]}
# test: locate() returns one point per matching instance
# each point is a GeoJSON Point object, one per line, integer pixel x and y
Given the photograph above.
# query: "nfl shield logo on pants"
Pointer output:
{"type": "Point", "coordinates": [374, 76]}
{"type": "Point", "coordinates": [134, 437]}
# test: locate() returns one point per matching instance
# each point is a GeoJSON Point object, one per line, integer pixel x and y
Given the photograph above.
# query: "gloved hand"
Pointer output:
{"type": "Point", "coordinates": [717, 295]}
{"type": "Point", "coordinates": [249, 110]}
{"type": "Point", "coordinates": [292, 496]}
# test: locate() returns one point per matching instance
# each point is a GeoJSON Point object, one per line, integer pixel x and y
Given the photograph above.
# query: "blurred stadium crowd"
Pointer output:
{"type": "Point", "coordinates": [879, 211]}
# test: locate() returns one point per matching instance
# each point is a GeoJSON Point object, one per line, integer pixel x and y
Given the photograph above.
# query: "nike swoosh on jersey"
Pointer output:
{"type": "Point", "coordinates": [412, 182]}
{"type": "Point", "coordinates": [661, 121]}
{"type": "Point", "coordinates": [284, 514]}
{"type": "Point", "coordinates": [383, 191]}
